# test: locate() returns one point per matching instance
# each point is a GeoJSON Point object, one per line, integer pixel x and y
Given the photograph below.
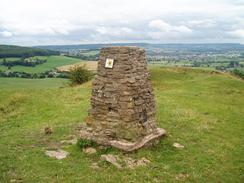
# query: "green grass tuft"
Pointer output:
{"type": "Point", "coordinates": [83, 143]}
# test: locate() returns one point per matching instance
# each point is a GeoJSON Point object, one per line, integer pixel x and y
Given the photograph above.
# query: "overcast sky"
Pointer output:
{"type": "Point", "coordinates": [42, 22]}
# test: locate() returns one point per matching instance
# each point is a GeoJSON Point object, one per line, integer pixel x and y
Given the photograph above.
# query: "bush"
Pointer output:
{"type": "Point", "coordinates": [83, 143]}
{"type": "Point", "coordinates": [238, 73]}
{"type": "Point", "coordinates": [79, 75]}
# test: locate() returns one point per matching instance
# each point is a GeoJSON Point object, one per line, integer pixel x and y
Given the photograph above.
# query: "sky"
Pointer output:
{"type": "Point", "coordinates": [58, 22]}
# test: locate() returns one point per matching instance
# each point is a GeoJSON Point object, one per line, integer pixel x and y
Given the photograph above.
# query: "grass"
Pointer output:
{"type": "Point", "coordinates": [9, 59]}
{"type": "Point", "coordinates": [52, 62]}
{"type": "Point", "coordinates": [200, 109]}
{"type": "Point", "coordinates": [20, 83]}
{"type": "Point", "coordinates": [90, 65]}
{"type": "Point", "coordinates": [90, 53]}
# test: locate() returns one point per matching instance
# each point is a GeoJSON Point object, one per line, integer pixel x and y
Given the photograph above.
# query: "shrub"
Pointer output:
{"type": "Point", "coordinates": [83, 143]}
{"type": "Point", "coordinates": [238, 73]}
{"type": "Point", "coordinates": [79, 75]}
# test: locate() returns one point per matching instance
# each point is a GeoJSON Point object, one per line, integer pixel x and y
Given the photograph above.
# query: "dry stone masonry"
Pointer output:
{"type": "Point", "coordinates": [123, 107]}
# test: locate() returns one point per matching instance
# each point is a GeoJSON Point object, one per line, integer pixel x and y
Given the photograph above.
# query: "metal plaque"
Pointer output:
{"type": "Point", "coordinates": [109, 63]}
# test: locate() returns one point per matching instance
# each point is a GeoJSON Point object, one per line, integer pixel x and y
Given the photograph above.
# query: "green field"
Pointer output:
{"type": "Point", "coordinates": [200, 109]}
{"type": "Point", "coordinates": [90, 53]}
{"type": "Point", "coordinates": [52, 62]}
{"type": "Point", "coordinates": [9, 59]}
{"type": "Point", "coordinates": [207, 63]}
{"type": "Point", "coordinates": [20, 83]}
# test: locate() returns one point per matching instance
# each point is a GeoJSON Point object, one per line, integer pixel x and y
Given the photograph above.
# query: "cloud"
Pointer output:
{"type": "Point", "coordinates": [31, 22]}
{"type": "Point", "coordinates": [202, 23]}
{"type": "Point", "coordinates": [239, 33]}
{"type": "Point", "coordinates": [160, 29]}
{"type": "Point", "coordinates": [114, 31]}
{"type": "Point", "coordinates": [6, 34]}
{"type": "Point", "coordinates": [165, 27]}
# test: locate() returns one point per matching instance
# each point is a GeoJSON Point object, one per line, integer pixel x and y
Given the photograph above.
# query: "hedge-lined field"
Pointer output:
{"type": "Point", "coordinates": [52, 62]}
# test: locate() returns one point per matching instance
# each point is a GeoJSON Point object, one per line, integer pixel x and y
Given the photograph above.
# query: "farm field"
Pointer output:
{"type": "Point", "coordinates": [89, 53]}
{"type": "Point", "coordinates": [90, 65]}
{"type": "Point", "coordinates": [200, 109]}
{"type": "Point", "coordinates": [52, 62]}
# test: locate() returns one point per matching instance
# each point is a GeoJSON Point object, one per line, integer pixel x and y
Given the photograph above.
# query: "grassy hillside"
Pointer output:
{"type": "Point", "coordinates": [200, 109]}
{"type": "Point", "coordinates": [19, 51]}
{"type": "Point", "coordinates": [20, 83]}
{"type": "Point", "coordinates": [52, 62]}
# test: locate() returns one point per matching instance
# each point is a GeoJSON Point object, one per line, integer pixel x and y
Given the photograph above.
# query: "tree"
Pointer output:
{"type": "Point", "coordinates": [233, 64]}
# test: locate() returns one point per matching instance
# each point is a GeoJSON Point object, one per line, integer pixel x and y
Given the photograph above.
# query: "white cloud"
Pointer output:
{"type": "Point", "coordinates": [160, 29]}
{"type": "Point", "coordinates": [239, 33]}
{"type": "Point", "coordinates": [202, 23]}
{"type": "Point", "coordinates": [165, 27]}
{"type": "Point", "coordinates": [6, 34]}
{"type": "Point", "coordinates": [116, 31]}
{"type": "Point", "coordinates": [41, 20]}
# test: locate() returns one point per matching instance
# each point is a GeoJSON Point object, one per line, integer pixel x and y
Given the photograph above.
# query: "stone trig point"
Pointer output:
{"type": "Point", "coordinates": [123, 108]}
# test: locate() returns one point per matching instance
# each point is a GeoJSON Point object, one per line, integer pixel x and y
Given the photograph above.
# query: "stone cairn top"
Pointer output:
{"type": "Point", "coordinates": [123, 107]}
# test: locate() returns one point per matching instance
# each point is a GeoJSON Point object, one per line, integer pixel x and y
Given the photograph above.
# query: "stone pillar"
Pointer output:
{"type": "Point", "coordinates": [123, 108]}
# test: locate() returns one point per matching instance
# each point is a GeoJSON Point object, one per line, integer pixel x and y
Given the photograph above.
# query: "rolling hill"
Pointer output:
{"type": "Point", "coordinates": [19, 51]}
{"type": "Point", "coordinates": [201, 109]}
{"type": "Point", "coordinates": [52, 63]}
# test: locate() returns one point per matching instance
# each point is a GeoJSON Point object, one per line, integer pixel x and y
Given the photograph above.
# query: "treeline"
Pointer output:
{"type": "Point", "coordinates": [84, 57]}
{"type": "Point", "coordinates": [23, 62]}
{"type": "Point", "coordinates": [47, 74]}
{"type": "Point", "coordinates": [19, 51]}
{"type": "Point", "coordinates": [231, 65]}
{"type": "Point", "coordinates": [238, 73]}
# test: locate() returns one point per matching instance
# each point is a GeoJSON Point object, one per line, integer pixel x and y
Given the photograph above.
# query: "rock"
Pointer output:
{"type": "Point", "coordinates": [178, 146]}
{"type": "Point", "coordinates": [123, 109]}
{"type": "Point", "coordinates": [48, 130]}
{"type": "Point", "coordinates": [89, 150]}
{"type": "Point", "coordinates": [70, 142]}
{"type": "Point", "coordinates": [58, 154]}
{"type": "Point", "coordinates": [16, 180]}
{"type": "Point", "coordinates": [113, 159]}
{"type": "Point", "coordinates": [132, 163]}
{"type": "Point", "coordinates": [94, 166]}
{"type": "Point", "coordinates": [143, 162]}
{"type": "Point", "coordinates": [181, 176]}
{"type": "Point", "coordinates": [128, 162]}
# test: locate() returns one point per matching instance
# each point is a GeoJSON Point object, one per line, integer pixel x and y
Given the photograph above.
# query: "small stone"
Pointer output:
{"type": "Point", "coordinates": [178, 146]}
{"type": "Point", "coordinates": [89, 150]}
{"type": "Point", "coordinates": [48, 130]}
{"type": "Point", "coordinates": [17, 180]}
{"type": "Point", "coordinates": [94, 166]}
{"type": "Point", "coordinates": [130, 163]}
{"type": "Point", "coordinates": [70, 142]}
{"type": "Point", "coordinates": [181, 176]}
{"type": "Point", "coordinates": [143, 161]}
{"type": "Point", "coordinates": [133, 163]}
{"type": "Point", "coordinates": [58, 154]}
{"type": "Point", "coordinates": [113, 159]}
{"type": "Point", "coordinates": [131, 80]}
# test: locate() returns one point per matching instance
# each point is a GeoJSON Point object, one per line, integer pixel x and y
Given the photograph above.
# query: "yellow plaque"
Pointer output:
{"type": "Point", "coordinates": [109, 63]}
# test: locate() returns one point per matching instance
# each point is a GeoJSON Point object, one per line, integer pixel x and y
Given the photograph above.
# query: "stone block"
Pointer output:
{"type": "Point", "coordinates": [122, 104]}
